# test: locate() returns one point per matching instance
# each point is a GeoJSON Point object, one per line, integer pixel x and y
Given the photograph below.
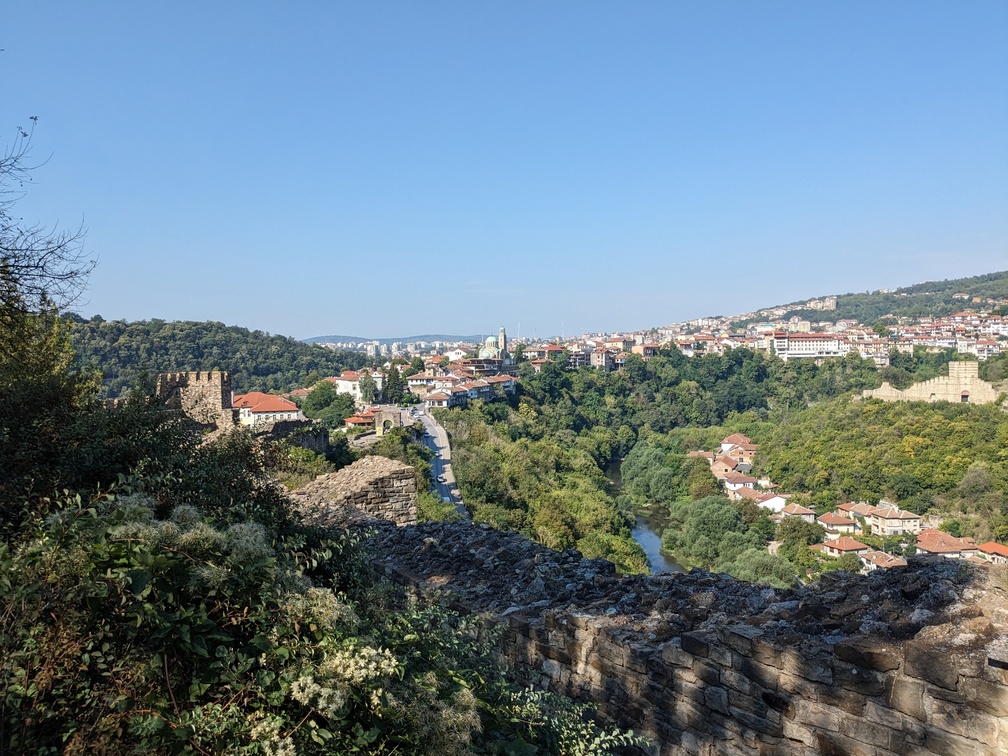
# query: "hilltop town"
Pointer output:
{"type": "Point", "coordinates": [980, 329]}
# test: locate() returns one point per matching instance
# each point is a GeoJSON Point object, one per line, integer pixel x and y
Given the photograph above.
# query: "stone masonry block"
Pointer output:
{"type": "Point", "coordinates": [906, 696]}
{"type": "Point", "coordinates": [695, 643]}
{"type": "Point", "coordinates": [812, 664]}
{"type": "Point", "coordinates": [857, 679]}
{"type": "Point", "coordinates": [931, 664]}
{"type": "Point", "coordinates": [869, 653]}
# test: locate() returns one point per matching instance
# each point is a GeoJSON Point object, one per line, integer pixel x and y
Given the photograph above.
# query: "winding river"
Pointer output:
{"type": "Point", "coordinates": [645, 530]}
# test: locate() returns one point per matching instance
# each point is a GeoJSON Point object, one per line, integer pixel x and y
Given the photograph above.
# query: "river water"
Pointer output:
{"type": "Point", "coordinates": [645, 531]}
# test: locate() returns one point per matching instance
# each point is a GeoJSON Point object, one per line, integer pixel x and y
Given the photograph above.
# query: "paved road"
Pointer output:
{"type": "Point", "coordinates": [437, 439]}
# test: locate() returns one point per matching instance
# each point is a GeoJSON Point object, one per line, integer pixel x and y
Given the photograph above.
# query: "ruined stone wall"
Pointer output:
{"type": "Point", "coordinates": [372, 487]}
{"type": "Point", "coordinates": [205, 396]}
{"type": "Point", "coordinates": [963, 379]}
{"type": "Point", "coordinates": [908, 660]}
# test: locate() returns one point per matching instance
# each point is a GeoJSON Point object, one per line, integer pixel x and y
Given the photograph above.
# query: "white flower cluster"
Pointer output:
{"type": "Point", "coordinates": [325, 699]}
{"type": "Point", "coordinates": [266, 732]}
{"type": "Point", "coordinates": [358, 665]}
{"type": "Point", "coordinates": [320, 606]}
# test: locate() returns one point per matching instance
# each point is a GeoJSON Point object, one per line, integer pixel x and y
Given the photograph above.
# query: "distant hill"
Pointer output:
{"type": "Point", "coordinates": [401, 339]}
{"type": "Point", "coordinates": [126, 352]}
{"type": "Point", "coordinates": [931, 298]}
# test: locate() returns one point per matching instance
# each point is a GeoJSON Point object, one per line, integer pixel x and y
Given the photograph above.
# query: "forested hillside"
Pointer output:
{"type": "Point", "coordinates": [941, 458]}
{"type": "Point", "coordinates": [536, 466]}
{"type": "Point", "coordinates": [932, 298]}
{"type": "Point", "coordinates": [127, 352]}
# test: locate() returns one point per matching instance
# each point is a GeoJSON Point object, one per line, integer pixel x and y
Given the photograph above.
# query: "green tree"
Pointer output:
{"type": "Point", "coordinates": [394, 387]}
{"type": "Point", "coordinates": [368, 388]}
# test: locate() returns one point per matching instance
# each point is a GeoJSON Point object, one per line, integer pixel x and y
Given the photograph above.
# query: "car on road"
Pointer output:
{"type": "Point", "coordinates": [441, 479]}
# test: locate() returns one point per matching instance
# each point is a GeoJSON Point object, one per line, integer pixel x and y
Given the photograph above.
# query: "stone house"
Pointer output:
{"type": "Point", "coordinates": [722, 466]}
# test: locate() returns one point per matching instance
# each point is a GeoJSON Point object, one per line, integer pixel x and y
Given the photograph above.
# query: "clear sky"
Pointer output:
{"type": "Point", "coordinates": [395, 168]}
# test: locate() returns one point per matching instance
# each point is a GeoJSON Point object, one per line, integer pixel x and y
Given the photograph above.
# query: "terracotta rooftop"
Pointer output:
{"type": "Point", "coordinates": [257, 401]}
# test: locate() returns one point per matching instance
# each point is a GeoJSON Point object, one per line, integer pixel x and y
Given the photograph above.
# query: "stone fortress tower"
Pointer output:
{"type": "Point", "coordinates": [203, 395]}
{"type": "Point", "coordinates": [963, 384]}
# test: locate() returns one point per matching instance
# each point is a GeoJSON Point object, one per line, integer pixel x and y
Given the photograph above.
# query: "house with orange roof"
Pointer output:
{"type": "Point", "coordinates": [255, 408]}
{"type": "Point", "coordinates": [722, 466]}
{"type": "Point", "coordinates": [939, 542]}
{"type": "Point", "coordinates": [887, 519]}
{"type": "Point", "coordinates": [772, 501]}
{"type": "Point", "coordinates": [879, 560]}
{"type": "Point", "coordinates": [733, 481]}
{"type": "Point", "coordinates": [747, 494]}
{"type": "Point", "coordinates": [348, 382]}
{"type": "Point", "coordinates": [844, 545]}
{"type": "Point", "coordinates": [797, 510]}
{"type": "Point", "coordinates": [835, 525]}
{"type": "Point", "coordinates": [733, 440]}
{"type": "Point", "coordinates": [853, 510]}
{"type": "Point", "coordinates": [743, 453]}
{"type": "Point", "coordinates": [996, 553]}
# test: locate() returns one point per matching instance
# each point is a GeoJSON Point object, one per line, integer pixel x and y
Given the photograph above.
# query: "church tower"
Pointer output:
{"type": "Point", "coordinates": [502, 342]}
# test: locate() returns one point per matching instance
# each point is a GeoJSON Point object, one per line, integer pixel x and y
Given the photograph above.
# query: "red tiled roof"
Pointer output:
{"type": "Point", "coordinates": [883, 560]}
{"type": "Point", "coordinates": [831, 519]}
{"type": "Point", "coordinates": [797, 509]}
{"type": "Point", "coordinates": [736, 438]}
{"type": "Point", "coordinates": [846, 543]}
{"type": "Point", "coordinates": [992, 547]}
{"type": "Point", "coordinates": [257, 401]}
{"type": "Point", "coordinates": [940, 542]}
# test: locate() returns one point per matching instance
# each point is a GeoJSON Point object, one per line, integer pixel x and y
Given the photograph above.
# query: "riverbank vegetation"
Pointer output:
{"type": "Point", "coordinates": [536, 466]}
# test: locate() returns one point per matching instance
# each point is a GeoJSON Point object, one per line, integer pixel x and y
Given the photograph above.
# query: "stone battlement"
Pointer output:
{"type": "Point", "coordinates": [908, 660]}
{"type": "Point", "coordinates": [205, 396]}
{"type": "Point", "coordinates": [371, 488]}
{"type": "Point", "coordinates": [963, 384]}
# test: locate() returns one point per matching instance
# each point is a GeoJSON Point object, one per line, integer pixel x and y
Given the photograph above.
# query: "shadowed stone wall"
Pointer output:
{"type": "Point", "coordinates": [372, 487]}
{"type": "Point", "coordinates": [911, 660]}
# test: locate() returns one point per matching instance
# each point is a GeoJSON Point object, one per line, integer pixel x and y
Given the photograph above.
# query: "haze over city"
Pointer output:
{"type": "Point", "coordinates": [388, 169]}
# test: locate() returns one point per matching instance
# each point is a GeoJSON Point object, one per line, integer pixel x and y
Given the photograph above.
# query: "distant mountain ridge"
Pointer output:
{"type": "Point", "coordinates": [387, 340]}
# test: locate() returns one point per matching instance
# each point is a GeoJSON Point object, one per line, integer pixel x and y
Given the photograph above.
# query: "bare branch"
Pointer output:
{"type": "Point", "coordinates": [40, 266]}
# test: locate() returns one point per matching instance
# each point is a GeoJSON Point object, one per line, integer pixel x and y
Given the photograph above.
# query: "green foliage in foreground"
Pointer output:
{"type": "Point", "coordinates": [123, 632]}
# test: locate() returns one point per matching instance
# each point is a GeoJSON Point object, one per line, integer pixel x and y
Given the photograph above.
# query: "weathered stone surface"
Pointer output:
{"type": "Point", "coordinates": [371, 488]}
{"type": "Point", "coordinates": [710, 665]}
{"type": "Point", "coordinates": [932, 664]}
{"type": "Point", "coordinates": [870, 653]}
{"type": "Point", "coordinates": [906, 696]}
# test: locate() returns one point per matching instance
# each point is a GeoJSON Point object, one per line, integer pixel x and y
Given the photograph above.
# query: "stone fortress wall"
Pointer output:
{"type": "Point", "coordinates": [912, 660]}
{"type": "Point", "coordinates": [203, 395]}
{"type": "Point", "coordinates": [962, 384]}
{"type": "Point", "coordinates": [371, 488]}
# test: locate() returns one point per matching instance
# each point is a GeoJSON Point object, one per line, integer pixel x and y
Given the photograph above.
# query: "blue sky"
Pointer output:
{"type": "Point", "coordinates": [393, 168]}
